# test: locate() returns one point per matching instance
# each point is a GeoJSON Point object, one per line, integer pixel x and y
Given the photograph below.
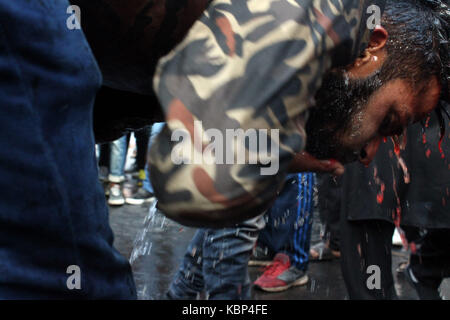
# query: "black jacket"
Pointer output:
{"type": "Point", "coordinates": [424, 202]}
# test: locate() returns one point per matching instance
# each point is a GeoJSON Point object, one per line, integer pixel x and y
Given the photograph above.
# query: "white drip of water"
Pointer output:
{"type": "Point", "coordinates": [142, 245]}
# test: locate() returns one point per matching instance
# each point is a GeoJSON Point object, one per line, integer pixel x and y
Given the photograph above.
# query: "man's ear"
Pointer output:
{"type": "Point", "coordinates": [374, 50]}
{"type": "Point", "coordinates": [378, 39]}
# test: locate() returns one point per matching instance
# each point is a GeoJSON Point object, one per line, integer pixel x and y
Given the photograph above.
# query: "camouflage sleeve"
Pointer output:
{"type": "Point", "coordinates": [246, 72]}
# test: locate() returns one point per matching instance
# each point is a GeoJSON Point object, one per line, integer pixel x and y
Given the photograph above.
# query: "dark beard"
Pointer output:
{"type": "Point", "coordinates": [338, 100]}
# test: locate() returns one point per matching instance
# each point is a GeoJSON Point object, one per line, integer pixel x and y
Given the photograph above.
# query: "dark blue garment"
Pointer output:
{"type": "Point", "coordinates": [289, 220]}
{"type": "Point", "coordinates": [52, 209]}
{"type": "Point", "coordinates": [216, 263]}
{"type": "Point", "coordinates": [216, 259]}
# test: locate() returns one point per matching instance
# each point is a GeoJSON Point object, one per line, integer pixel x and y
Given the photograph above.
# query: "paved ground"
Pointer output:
{"type": "Point", "coordinates": [155, 249]}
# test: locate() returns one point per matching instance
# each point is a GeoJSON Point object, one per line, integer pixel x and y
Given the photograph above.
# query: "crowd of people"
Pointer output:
{"type": "Point", "coordinates": [112, 160]}
{"type": "Point", "coordinates": [349, 98]}
{"type": "Point", "coordinates": [359, 213]}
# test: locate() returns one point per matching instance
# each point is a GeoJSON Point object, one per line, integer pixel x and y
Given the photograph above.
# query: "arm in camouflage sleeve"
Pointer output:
{"type": "Point", "coordinates": [246, 65]}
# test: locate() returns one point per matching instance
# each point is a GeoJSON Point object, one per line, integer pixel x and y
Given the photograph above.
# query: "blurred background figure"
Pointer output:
{"type": "Point", "coordinates": [406, 188]}
{"type": "Point", "coordinates": [137, 169]}
{"type": "Point", "coordinates": [283, 245]}
{"type": "Point", "coordinates": [144, 192]}
{"type": "Point", "coordinates": [215, 265]}
{"type": "Point", "coordinates": [329, 206]}
{"type": "Point", "coordinates": [116, 177]}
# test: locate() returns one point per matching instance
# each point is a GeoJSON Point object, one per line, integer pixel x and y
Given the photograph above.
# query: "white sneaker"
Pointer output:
{"type": "Point", "coordinates": [116, 197]}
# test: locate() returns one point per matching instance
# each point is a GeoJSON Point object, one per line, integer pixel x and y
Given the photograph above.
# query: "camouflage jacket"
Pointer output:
{"type": "Point", "coordinates": [250, 65]}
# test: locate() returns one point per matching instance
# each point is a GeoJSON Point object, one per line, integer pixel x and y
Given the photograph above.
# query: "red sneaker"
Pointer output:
{"type": "Point", "coordinates": [280, 275]}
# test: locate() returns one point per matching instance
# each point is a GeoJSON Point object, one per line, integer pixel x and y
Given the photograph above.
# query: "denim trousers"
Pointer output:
{"type": "Point", "coordinates": [216, 263]}
{"type": "Point", "coordinates": [156, 129]}
{"type": "Point", "coordinates": [118, 158]}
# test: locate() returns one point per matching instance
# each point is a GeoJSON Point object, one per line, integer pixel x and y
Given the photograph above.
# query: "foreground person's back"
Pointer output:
{"type": "Point", "coordinates": [52, 210]}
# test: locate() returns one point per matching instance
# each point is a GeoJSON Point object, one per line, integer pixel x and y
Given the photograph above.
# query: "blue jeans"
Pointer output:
{"type": "Point", "coordinates": [156, 129]}
{"type": "Point", "coordinates": [48, 82]}
{"type": "Point", "coordinates": [216, 260]}
{"type": "Point", "coordinates": [118, 159]}
{"type": "Point", "coordinates": [289, 220]}
{"type": "Point", "coordinates": [216, 263]}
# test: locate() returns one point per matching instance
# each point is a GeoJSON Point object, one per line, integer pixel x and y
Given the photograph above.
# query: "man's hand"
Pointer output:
{"type": "Point", "coordinates": [304, 162]}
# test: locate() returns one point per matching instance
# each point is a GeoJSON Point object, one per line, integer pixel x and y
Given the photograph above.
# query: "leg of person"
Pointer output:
{"type": "Point", "coordinates": [145, 193]}
{"type": "Point", "coordinates": [302, 234]}
{"type": "Point", "coordinates": [103, 166]}
{"type": "Point", "coordinates": [226, 253]}
{"type": "Point", "coordinates": [280, 219]}
{"type": "Point", "coordinates": [290, 264]}
{"type": "Point", "coordinates": [117, 171]}
{"type": "Point", "coordinates": [156, 129]}
{"type": "Point", "coordinates": [332, 215]}
{"type": "Point", "coordinates": [329, 189]}
{"type": "Point", "coordinates": [334, 235]}
{"type": "Point", "coordinates": [366, 259]}
{"type": "Point", "coordinates": [188, 282]}
{"type": "Point", "coordinates": [429, 262]}
{"type": "Point", "coordinates": [216, 263]}
{"type": "Point", "coordinates": [104, 155]}
{"type": "Point", "coordinates": [142, 138]}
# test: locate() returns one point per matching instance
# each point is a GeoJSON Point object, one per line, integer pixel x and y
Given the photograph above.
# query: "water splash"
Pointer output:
{"type": "Point", "coordinates": [142, 245]}
{"type": "Point", "coordinates": [397, 215]}
{"type": "Point", "coordinates": [400, 144]}
{"type": "Point", "coordinates": [149, 241]}
{"type": "Point", "coordinates": [313, 285]}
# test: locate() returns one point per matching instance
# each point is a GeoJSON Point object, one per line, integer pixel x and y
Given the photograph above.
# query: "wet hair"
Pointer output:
{"type": "Point", "coordinates": [412, 44]}
{"type": "Point", "coordinates": [419, 39]}
{"type": "Point", "coordinates": [417, 48]}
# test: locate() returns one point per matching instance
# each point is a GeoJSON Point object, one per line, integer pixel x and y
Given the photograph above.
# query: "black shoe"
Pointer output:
{"type": "Point", "coordinates": [139, 197]}
{"type": "Point", "coordinates": [423, 291]}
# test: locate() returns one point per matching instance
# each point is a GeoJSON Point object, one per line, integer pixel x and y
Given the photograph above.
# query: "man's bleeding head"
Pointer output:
{"type": "Point", "coordinates": [400, 78]}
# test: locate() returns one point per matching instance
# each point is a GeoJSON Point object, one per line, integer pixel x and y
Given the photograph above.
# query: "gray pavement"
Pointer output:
{"type": "Point", "coordinates": [155, 250]}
